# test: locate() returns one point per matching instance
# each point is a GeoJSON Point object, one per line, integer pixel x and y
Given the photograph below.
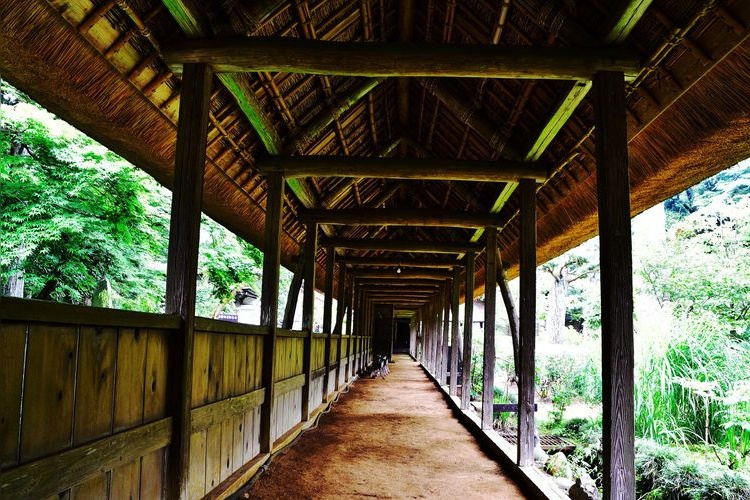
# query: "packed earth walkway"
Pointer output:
{"type": "Point", "coordinates": [386, 438]}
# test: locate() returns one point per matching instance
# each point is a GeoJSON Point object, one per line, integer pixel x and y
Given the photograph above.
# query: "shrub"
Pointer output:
{"type": "Point", "coordinates": [664, 472]}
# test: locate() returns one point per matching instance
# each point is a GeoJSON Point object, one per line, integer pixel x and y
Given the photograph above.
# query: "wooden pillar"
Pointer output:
{"type": "Point", "coordinates": [616, 264]}
{"type": "Point", "coordinates": [468, 324]}
{"type": "Point", "coordinates": [269, 302]}
{"type": "Point", "coordinates": [182, 261]}
{"type": "Point", "coordinates": [339, 328]}
{"type": "Point", "coordinates": [527, 337]}
{"type": "Point", "coordinates": [294, 287]}
{"type": "Point", "coordinates": [327, 318]}
{"type": "Point", "coordinates": [490, 298]}
{"type": "Point", "coordinates": [453, 388]}
{"type": "Point", "coordinates": [350, 332]}
{"type": "Point", "coordinates": [308, 313]}
{"type": "Point", "coordinates": [510, 309]}
{"type": "Point", "coordinates": [445, 338]}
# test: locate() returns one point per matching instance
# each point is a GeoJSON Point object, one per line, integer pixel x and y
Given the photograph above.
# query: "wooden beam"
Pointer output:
{"type": "Point", "coordinates": [46, 477]}
{"type": "Point", "coordinates": [468, 323]}
{"type": "Point", "coordinates": [408, 282]}
{"type": "Point", "coordinates": [613, 188]}
{"type": "Point", "coordinates": [404, 168]}
{"type": "Point", "coordinates": [527, 338]}
{"type": "Point", "coordinates": [269, 303]}
{"type": "Point", "coordinates": [490, 297]}
{"type": "Point", "coordinates": [630, 15]}
{"type": "Point", "coordinates": [389, 261]}
{"type": "Point", "coordinates": [405, 274]}
{"type": "Point", "coordinates": [453, 387]}
{"type": "Point", "coordinates": [308, 313]}
{"type": "Point", "coordinates": [399, 246]}
{"type": "Point", "coordinates": [182, 259]}
{"type": "Point", "coordinates": [445, 338]}
{"type": "Point", "coordinates": [338, 328]}
{"type": "Point", "coordinates": [194, 24]}
{"type": "Point", "coordinates": [374, 59]}
{"type": "Point", "coordinates": [399, 217]}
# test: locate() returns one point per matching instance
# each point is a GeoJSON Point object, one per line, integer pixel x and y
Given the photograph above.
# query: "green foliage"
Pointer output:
{"type": "Point", "coordinates": [69, 219]}
{"type": "Point", "coordinates": [664, 472]}
{"type": "Point", "coordinates": [567, 376]}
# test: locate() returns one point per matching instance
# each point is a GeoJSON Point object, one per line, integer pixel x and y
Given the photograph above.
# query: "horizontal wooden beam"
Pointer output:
{"type": "Point", "coordinates": [399, 245]}
{"type": "Point", "coordinates": [404, 168]}
{"type": "Point", "coordinates": [294, 55]}
{"type": "Point", "coordinates": [51, 475]}
{"type": "Point", "coordinates": [216, 413]}
{"type": "Point", "coordinates": [404, 282]}
{"type": "Point", "coordinates": [406, 273]}
{"type": "Point", "coordinates": [399, 217]}
{"type": "Point", "coordinates": [390, 261]}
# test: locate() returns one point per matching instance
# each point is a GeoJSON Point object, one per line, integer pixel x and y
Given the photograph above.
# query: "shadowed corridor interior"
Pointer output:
{"type": "Point", "coordinates": [386, 438]}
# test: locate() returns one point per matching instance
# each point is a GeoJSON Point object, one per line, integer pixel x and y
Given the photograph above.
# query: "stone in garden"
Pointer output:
{"type": "Point", "coordinates": [558, 466]}
{"type": "Point", "coordinates": [584, 489]}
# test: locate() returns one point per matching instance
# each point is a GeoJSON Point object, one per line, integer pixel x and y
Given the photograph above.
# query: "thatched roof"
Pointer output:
{"type": "Point", "coordinates": [100, 65]}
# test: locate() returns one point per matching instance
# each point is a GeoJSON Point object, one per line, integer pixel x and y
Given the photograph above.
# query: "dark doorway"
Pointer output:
{"type": "Point", "coordinates": [402, 336]}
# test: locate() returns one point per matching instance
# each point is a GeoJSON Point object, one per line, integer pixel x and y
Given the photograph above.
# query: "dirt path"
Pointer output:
{"type": "Point", "coordinates": [392, 438]}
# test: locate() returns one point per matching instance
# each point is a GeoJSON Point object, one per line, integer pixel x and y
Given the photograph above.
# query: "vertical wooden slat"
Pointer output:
{"type": "Point", "coordinates": [130, 378]}
{"type": "Point", "coordinates": [182, 260]}
{"type": "Point", "coordinates": [490, 298]}
{"type": "Point", "coordinates": [12, 357]}
{"type": "Point", "coordinates": [50, 380]}
{"type": "Point", "coordinates": [468, 324]}
{"type": "Point", "coordinates": [454, 331]}
{"type": "Point", "coordinates": [96, 380]}
{"type": "Point", "coordinates": [527, 337]}
{"type": "Point", "coordinates": [615, 252]}
{"type": "Point", "coordinates": [270, 300]}
{"type": "Point", "coordinates": [328, 316]}
{"type": "Point", "coordinates": [308, 313]}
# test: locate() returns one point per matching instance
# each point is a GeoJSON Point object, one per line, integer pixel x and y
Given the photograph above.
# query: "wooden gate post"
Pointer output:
{"type": "Point", "coordinates": [308, 313]}
{"type": "Point", "coordinates": [269, 302]}
{"type": "Point", "coordinates": [490, 298]}
{"type": "Point", "coordinates": [527, 337]}
{"type": "Point", "coordinates": [453, 388]}
{"type": "Point", "coordinates": [468, 324]}
{"type": "Point", "coordinates": [445, 338]}
{"type": "Point", "coordinates": [182, 260]}
{"type": "Point", "coordinates": [616, 264]}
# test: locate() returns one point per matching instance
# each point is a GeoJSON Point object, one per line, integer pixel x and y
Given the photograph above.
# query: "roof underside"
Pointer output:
{"type": "Point", "coordinates": [100, 65]}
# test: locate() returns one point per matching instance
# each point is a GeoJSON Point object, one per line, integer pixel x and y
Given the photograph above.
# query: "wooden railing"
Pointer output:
{"type": "Point", "coordinates": [87, 409]}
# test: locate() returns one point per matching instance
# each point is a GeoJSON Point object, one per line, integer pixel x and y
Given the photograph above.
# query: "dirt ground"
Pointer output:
{"type": "Point", "coordinates": [392, 438]}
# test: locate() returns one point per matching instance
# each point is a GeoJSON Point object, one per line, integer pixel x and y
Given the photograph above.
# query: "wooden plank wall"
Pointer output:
{"type": "Point", "coordinates": [86, 410]}
{"type": "Point", "coordinates": [67, 385]}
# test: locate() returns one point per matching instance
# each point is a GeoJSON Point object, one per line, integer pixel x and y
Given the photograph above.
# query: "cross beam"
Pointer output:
{"type": "Point", "coordinates": [292, 55]}
{"type": "Point", "coordinates": [398, 217]}
{"type": "Point", "coordinates": [403, 168]}
{"type": "Point", "coordinates": [400, 246]}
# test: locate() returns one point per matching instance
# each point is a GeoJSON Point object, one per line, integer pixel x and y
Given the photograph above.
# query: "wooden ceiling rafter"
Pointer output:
{"type": "Point", "coordinates": [400, 217]}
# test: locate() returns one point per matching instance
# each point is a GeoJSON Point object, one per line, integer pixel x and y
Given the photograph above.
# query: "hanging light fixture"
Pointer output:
{"type": "Point", "coordinates": [398, 268]}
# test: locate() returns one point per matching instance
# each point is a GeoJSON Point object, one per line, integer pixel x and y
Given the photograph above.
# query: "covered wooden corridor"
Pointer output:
{"type": "Point", "coordinates": [390, 152]}
{"type": "Point", "coordinates": [387, 438]}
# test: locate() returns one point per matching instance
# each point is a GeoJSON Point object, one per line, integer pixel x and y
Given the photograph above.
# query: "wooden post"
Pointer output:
{"type": "Point", "coordinates": [308, 314]}
{"type": "Point", "coordinates": [490, 297]}
{"type": "Point", "coordinates": [269, 302]}
{"type": "Point", "coordinates": [468, 324]}
{"type": "Point", "coordinates": [182, 261]}
{"type": "Point", "coordinates": [294, 288]}
{"type": "Point", "coordinates": [616, 285]}
{"type": "Point", "coordinates": [444, 362]}
{"type": "Point", "coordinates": [453, 389]}
{"type": "Point", "coordinates": [340, 310]}
{"type": "Point", "coordinates": [349, 327]}
{"type": "Point", "coordinates": [510, 309]}
{"type": "Point", "coordinates": [328, 317]}
{"type": "Point", "coordinates": [527, 337]}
